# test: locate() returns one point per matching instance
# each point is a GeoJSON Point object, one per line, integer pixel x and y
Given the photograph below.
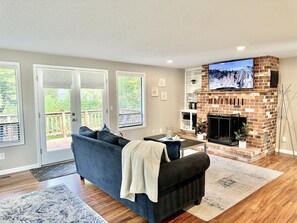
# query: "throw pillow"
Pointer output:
{"type": "Point", "coordinates": [173, 148]}
{"type": "Point", "coordinates": [122, 142]}
{"type": "Point", "coordinates": [85, 131]}
{"type": "Point", "coordinates": [108, 137]}
{"type": "Point", "coordinates": [105, 128]}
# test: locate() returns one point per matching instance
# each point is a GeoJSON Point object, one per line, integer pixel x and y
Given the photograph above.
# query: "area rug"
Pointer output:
{"type": "Point", "coordinates": [54, 204]}
{"type": "Point", "coordinates": [227, 183]}
{"type": "Point", "coordinates": [53, 171]}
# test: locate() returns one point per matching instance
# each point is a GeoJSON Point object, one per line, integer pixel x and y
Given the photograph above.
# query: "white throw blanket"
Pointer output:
{"type": "Point", "coordinates": [140, 169]}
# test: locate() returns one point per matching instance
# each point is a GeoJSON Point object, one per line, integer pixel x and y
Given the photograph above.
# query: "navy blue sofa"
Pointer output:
{"type": "Point", "coordinates": [181, 182]}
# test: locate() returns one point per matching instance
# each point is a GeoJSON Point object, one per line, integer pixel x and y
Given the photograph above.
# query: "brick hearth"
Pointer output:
{"type": "Point", "coordinates": [258, 105]}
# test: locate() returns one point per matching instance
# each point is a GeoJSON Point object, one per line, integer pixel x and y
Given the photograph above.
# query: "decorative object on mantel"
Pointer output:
{"type": "Point", "coordinates": [283, 109]}
{"type": "Point", "coordinates": [201, 128]}
{"type": "Point", "coordinates": [241, 134]}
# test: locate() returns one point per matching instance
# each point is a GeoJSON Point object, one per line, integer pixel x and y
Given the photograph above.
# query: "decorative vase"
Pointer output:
{"type": "Point", "coordinates": [169, 132]}
{"type": "Point", "coordinates": [242, 144]}
{"type": "Point", "coordinates": [200, 136]}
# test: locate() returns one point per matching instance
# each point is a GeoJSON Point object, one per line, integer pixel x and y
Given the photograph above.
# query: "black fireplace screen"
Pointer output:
{"type": "Point", "coordinates": [221, 128]}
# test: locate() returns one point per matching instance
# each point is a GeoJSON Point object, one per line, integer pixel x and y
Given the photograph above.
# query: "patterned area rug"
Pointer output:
{"type": "Point", "coordinates": [53, 171]}
{"type": "Point", "coordinates": [227, 183]}
{"type": "Point", "coordinates": [55, 204]}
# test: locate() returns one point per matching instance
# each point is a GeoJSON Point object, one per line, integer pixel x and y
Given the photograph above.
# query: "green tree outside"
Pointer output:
{"type": "Point", "coordinates": [8, 92]}
{"type": "Point", "coordinates": [58, 100]}
{"type": "Point", "coordinates": [129, 89]}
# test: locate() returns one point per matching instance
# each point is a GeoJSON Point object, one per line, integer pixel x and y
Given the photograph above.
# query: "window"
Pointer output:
{"type": "Point", "coordinates": [11, 122]}
{"type": "Point", "coordinates": [130, 97]}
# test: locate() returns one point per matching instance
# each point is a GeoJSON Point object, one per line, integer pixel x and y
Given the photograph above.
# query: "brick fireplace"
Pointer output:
{"type": "Point", "coordinates": [258, 106]}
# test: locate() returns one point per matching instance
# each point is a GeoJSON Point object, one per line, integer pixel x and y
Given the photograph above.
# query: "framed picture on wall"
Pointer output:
{"type": "Point", "coordinates": [164, 96]}
{"type": "Point", "coordinates": [162, 82]}
{"type": "Point", "coordinates": [155, 92]}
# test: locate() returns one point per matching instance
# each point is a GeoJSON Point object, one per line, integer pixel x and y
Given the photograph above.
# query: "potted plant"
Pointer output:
{"type": "Point", "coordinates": [241, 135]}
{"type": "Point", "coordinates": [201, 128]}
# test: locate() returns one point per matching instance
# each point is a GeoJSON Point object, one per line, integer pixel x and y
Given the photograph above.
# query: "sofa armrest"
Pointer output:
{"type": "Point", "coordinates": [182, 169]}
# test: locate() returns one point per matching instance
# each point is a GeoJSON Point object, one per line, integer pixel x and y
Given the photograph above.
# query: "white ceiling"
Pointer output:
{"type": "Point", "coordinates": [190, 32]}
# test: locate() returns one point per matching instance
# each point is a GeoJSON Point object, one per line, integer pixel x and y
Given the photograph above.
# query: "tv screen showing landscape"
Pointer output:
{"type": "Point", "coordinates": [230, 75]}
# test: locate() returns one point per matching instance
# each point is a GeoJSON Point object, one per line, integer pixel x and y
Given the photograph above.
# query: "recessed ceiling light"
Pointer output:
{"type": "Point", "coordinates": [169, 61]}
{"type": "Point", "coordinates": [241, 48]}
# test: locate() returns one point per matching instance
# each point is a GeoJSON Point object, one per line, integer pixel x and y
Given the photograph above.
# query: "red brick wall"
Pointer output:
{"type": "Point", "coordinates": [258, 105]}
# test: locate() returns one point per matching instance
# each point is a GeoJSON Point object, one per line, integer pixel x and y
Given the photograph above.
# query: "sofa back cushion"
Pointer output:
{"type": "Point", "coordinates": [103, 135]}
{"type": "Point", "coordinates": [122, 142]}
{"type": "Point", "coordinates": [112, 138]}
{"type": "Point", "coordinates": [108, 137]}
{"type": "Point", "coordinates": [85, 131]}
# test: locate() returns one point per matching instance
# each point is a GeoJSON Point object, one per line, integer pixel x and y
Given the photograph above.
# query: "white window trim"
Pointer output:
{"type": "Point", "coordinates": [136, 74]}
{"type": "Point", "coordinates": [16, 66]}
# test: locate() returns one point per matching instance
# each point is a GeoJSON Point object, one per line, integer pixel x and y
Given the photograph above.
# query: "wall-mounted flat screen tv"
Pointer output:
{"type": "Point", "coordinates": [231, 75]}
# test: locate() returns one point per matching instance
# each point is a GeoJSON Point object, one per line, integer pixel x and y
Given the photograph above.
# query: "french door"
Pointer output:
{"type": "Point", "coordinates": [68, 98]}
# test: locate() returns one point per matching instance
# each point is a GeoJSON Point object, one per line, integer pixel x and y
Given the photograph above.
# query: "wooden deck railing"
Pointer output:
{"type": "Point", "coordinates": [9, 128]}
{"type": "Point", "coordinates": [130, 118]}
{"type": "Point", "coordinates": [59, 123]}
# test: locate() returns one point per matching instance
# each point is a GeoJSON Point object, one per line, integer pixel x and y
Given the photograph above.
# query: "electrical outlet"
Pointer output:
{"type": "Point", "coordinates": [284, 139]}
{"type": "Point", "coordinates": [2, 156]}
{"type": "Point", "coordinates": [161, 130]}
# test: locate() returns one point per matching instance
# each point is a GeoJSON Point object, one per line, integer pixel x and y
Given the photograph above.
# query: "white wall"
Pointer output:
{"type": "Point", "coordinates": [288, 75]}
{"type": "Point", "coordinates": [159, 113]}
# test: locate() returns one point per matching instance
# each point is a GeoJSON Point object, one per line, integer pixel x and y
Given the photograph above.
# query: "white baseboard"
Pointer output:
{"type": "Point", "coordinates": [286, 151]}
{"type": "Point", "coordinates": [18, 169]}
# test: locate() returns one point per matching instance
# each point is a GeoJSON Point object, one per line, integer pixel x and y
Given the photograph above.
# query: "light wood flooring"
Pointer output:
{"type": "Point", "coordinates": [275, 202]}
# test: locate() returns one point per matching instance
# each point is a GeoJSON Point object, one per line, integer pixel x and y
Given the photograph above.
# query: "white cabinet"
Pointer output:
{"type": "Point", "coordinates": [188, 120]}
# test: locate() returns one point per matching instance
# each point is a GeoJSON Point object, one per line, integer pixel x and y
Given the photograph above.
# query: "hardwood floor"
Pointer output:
{"type": "Point", "coordinates": [275, 202]}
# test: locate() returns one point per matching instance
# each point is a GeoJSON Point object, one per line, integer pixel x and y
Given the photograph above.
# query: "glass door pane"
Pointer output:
{"type": "Point", "coordinates": [55, 108]}
{"type": "Point", "coordinates": [57, 118]}
{"type": "Point", "coordinates": [92, 98]}
{"type": "Point", "coordinates": [91, 108]}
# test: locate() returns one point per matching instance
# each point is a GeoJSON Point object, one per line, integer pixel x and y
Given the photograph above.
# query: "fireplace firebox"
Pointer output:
{"type": "Point", "coordinates": [221, 128]}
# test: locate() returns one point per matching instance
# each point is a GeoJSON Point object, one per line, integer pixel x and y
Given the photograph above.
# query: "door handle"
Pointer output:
{"type": "Point", "coordinates": [74, 119]}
